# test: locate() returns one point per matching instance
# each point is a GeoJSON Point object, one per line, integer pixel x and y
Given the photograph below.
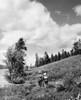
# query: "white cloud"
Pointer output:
{"type": "Point", "coordinates": [31, 20]}
{"type": "Point", "coordinates": [77, 10]}
{"type": "Point", "coordinates": [69, 33]}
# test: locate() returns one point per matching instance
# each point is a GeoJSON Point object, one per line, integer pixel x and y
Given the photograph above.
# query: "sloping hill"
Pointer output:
{"type": "Point", "coordinates": [62, 68]}
{"type": "Point", "coordinates": [73, 61]}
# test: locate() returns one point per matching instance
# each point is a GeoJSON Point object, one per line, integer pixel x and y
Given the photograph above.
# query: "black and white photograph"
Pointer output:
{"type": "Point", "coordinates": [40, 49]}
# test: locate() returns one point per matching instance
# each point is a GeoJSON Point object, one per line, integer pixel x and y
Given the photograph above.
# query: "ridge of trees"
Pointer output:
{"type": "Point", "coordinates": [76, 49]}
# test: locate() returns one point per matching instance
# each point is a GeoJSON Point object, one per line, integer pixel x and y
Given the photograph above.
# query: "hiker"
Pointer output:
{"type": "Point", "coordinates": [40, 79]}
{"type": "Point", "coordinates": [45, 78]}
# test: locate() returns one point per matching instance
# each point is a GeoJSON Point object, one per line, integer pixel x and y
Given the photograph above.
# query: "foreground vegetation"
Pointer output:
{"type": "Point", "coordinates": [66, 72]}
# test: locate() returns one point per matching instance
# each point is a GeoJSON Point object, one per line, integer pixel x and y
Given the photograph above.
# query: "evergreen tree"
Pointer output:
{"type": "Point", "coordinates": [68, 54]}
{"type": "Point", "coordinates": [72, 52]}
{"type": "Point", "coordinates": [59, 56]}
{"type": "Point", "coordinates": [75, 48]}
{"type": "Point", "coordinates": [56, 57]}
{"type": "Point", "coordinates": [19, 55]}
{"type": "Point", "coordinates": [64, 54]}
{"type": "Point", "coordinates": [46, 58]}
{"type": "Point", "coordinates": [15, 59]}
{"type": "Point", "coordinates": [37, 60]}
{"type": "Point", "coordinates": [41, 61]}
{"type": "Point", "coordinates": [79, 46]}
{"type": "Point", "coordinates": [52, 58]}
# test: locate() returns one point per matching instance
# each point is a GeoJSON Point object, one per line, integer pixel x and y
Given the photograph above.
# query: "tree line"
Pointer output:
{"type": "Point", "coordinates": [76, 49]}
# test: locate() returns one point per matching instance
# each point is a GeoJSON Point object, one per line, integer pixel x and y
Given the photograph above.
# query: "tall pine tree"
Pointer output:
{"type": "Point", "coordinates": [46, 58]}
{"type": "Point", "coordinates": [15, 59]}
{"type": "Point", "coordinates": [37, 60]}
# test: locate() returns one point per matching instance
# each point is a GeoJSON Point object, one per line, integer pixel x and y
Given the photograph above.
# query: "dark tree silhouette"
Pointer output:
{"type": "Point", "coordinates": [59, 56]}
{"type": "Point", "coordinates": [37, 60]}
{"type": "Point", "coordinates": [76, 47]}
{"type": "Point", "coordinates": [68, 54]}
{"type": "Point", "coordinates": [56, 57]}
{"type": "Point", "coordinates": [41, 61]}
{"type": "Point", "coordinates": [52, 59]}
{"type": "Point", "coordinates": [72, 52]}
{"type": "Point", "coordinates": [46, 58]}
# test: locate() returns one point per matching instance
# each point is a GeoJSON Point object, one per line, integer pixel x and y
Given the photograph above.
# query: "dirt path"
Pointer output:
{"type": "Point", "coordinates": [3, 81]}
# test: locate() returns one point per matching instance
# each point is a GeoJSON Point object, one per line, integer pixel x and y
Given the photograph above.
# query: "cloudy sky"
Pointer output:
{"type": "Point", "coordinates": [46, 25]}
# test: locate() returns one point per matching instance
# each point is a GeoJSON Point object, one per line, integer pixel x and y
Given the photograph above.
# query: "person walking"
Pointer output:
{"type": "Point", "coordinates": [40, 79]}
{"type": "Point", "coordinates": [45, 78]}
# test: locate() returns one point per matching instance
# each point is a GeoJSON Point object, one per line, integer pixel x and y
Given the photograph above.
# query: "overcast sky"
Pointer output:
{"type": "Point", "coordinates": [46, 25]}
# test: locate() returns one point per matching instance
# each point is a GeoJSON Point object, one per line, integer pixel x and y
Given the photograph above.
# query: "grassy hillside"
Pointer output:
{"type": "Point", "coordinates": [66, 71]}
{"type": "Point", "coordinates": [60, 69]}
